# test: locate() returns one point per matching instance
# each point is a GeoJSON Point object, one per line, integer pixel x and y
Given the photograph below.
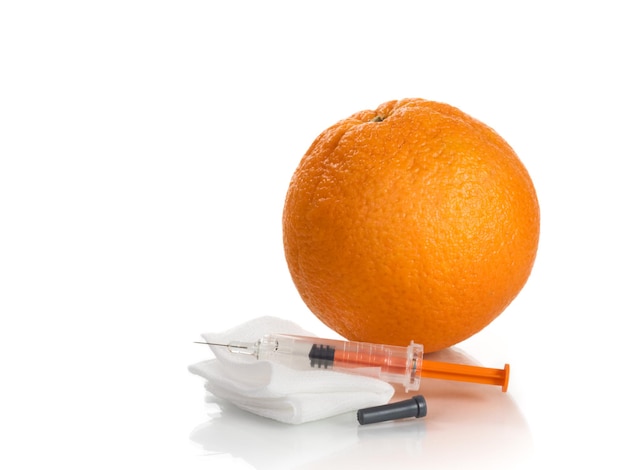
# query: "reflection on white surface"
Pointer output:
{"type": "Point", "coordinates": [467, 425]}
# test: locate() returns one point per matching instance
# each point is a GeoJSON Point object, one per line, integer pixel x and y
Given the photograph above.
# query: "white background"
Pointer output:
{"type": "Point", "coordinates": [145, 151]}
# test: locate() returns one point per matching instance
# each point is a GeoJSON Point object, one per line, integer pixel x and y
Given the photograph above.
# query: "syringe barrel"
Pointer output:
{"type": "Point", "coordinates": [393, 364]}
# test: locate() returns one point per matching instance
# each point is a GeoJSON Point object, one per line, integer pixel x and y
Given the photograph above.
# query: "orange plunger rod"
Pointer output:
{"type": "Point", "coordinates": [466, 373]}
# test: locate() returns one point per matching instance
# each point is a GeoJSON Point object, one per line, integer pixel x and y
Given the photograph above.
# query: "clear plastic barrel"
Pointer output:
{"type": "Point", "coordinates": [393, 364]}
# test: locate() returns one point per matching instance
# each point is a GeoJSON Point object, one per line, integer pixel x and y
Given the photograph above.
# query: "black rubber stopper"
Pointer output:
{"type": "Point", "coordinates": [412, 408]}
{"type": "Point", "coordinates": [322, 355]}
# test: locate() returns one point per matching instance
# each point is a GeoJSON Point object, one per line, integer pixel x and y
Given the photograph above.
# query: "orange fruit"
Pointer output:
{"type": "Point", "coordinates": [413, 221]}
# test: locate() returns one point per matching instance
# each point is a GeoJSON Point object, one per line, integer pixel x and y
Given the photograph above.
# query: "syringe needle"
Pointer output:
{"type": "Point", "coordinates": [234, 347]}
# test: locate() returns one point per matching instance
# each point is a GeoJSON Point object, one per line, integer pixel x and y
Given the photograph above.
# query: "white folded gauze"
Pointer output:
{"type": "Point", "coordinates": [275, 391]}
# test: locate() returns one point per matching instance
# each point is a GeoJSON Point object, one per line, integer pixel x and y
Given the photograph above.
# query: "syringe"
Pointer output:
{"type": "Point", "coordinates": [393, 364]}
